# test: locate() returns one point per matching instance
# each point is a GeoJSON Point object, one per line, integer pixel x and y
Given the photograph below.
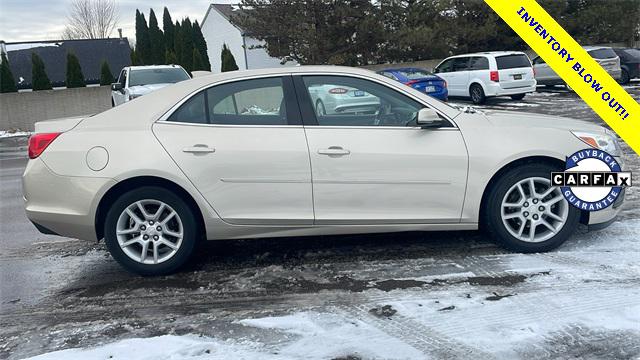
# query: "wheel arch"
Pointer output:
{"type": "Point", "coordinates": [136, 182]}
{"type": "Point", "coordinates": [479, 83]}
{"type": "Point", "coordinates": [513, 164]}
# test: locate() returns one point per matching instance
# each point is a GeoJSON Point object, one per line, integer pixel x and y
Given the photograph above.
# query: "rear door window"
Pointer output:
{"type": "Point", "coordinates": [479, 63]}
{"type": "Point", "coordinates": [193, 111]}
{"type": "Point", "coordinates": [606, 53]}
{"type": "Point", "coordinates": [512, 61]}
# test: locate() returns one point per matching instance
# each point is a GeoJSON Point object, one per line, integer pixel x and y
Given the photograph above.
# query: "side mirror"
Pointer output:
{"type": "Point", "coordinates": [429, 118]}
{"type": "Point", "coordinates": [116, 87]}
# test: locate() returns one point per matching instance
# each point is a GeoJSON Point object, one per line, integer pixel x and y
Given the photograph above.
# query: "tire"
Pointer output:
{"type": "Point", "coordinates": [113, 103]}
{"type": "Point", "coordinates": [477, 94]}
{"type": "Point", "coordinates": [320, 109]}
{"type": "Point", "coordinates": [624, 77]}
{"type": "Point", "coordinates": [518, 96]}
{"type": "Point", "coordinates": [160, 231]}
{"type": "Point", "coordinates": [504, 222]}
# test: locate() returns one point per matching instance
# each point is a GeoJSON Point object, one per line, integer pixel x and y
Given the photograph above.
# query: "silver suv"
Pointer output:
{"type": "Point", "coordinates": [605, 56]}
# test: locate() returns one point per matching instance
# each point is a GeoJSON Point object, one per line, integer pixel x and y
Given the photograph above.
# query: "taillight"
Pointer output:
{"type": "Point", "coordinates": [39, 142]}
{"type": "Point", "coordinates": [493, 76]}
{"type": "Point", "coordinates": [445, 84]}
{"type": "Point", "coordinates": [338, 91]}
{"type": "Point", "coordinates": [411, 82]}
{"type": "Point", "coordinates": [534, 71]}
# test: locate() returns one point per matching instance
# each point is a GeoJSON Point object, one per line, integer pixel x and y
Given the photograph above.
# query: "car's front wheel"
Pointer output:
{"type": "Point", "coordinates": [524, 213]}
{"type": "Point", "coordinates": [150, 231]}
{"type": "Point", "coordinates": [624, 77]}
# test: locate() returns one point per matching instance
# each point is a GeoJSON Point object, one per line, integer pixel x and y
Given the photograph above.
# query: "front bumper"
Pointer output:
{"type": "Point", "coordinates": [598, 220]}
{"type": "Point", "coordinates": [62, 205]}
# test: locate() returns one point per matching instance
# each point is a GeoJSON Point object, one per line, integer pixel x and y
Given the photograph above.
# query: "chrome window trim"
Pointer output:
{"type": "Point", "coordinates": [395, 87]}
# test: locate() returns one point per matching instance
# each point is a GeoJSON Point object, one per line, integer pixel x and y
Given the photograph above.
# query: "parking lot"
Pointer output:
{"type": "Point", "coordinates": [413, 295]}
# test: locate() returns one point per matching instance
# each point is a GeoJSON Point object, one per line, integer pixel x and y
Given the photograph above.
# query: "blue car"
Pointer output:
{"type": "Point", "coordinates": [421, 80]}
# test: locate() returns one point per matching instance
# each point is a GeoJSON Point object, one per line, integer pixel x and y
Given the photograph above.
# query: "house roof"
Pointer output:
{"type": "Point", "coordinates": [90, 52]}
{"type": "Point", "coordinates": [228, 11]}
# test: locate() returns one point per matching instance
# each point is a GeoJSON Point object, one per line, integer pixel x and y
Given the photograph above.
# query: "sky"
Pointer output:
{"type": "Point", "coordinates": [33, 20]}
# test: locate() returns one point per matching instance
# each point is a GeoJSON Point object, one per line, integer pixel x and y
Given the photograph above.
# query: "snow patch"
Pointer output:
{"type": "Point", "coordinates": [16, 47]}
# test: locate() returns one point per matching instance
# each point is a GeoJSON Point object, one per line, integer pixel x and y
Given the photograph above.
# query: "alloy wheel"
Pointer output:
{"type": "Point", "coordinates": [149, 231]}
{"type": "Point", "coordinates": [534, 211]}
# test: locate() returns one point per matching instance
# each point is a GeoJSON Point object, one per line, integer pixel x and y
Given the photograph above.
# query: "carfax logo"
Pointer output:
{"type": "Point", "coordinates": [592, 181]}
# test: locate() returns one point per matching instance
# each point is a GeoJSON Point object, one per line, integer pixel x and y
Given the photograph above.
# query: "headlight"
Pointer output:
{"type": "Point", "coordinates": [603, 141]}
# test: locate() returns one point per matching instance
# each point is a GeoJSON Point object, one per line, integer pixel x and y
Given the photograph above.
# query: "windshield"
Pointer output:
{"type": "Point", "coordinates": [157, 76]}
{"type": "Point", "coordinates": [415, 74]}
{"type": "Point", "coordinates": [512, 61]}
{"type": "Point", "coordinates": [606, 53]}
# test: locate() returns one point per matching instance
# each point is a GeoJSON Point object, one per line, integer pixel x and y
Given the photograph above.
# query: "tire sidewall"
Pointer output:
{"type": "Point", "coordinates": [184, 212]}
{"type": "Point", "coordinates": [493, 211]}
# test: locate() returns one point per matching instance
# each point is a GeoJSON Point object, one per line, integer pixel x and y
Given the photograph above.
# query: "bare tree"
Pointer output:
{"type": "Point", "coordinates": [91, 19]}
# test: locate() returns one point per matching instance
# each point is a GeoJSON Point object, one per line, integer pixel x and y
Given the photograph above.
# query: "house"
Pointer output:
{"type": "Point", "coordinates": [90, 52]}
{"type": "Point", "coordinates": [218, 28]}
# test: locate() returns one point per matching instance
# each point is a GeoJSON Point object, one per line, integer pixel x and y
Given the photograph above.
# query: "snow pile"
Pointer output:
{"type": "Point", "coordinates": [11, 134]}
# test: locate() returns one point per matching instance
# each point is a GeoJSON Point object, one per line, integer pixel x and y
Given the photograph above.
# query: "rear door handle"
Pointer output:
{"type": "Point", "coordinates": [334, 150]}
{"type": "Point", "coordinates": [199, 149]}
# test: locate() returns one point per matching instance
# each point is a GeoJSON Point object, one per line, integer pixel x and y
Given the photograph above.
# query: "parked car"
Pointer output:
{"type": "Point", "coordinates": [488, 74]}
{"type": "Point", "coordinates": [332, 99]}
{"type": "Point", "coordinates": [247, 154]}
{"type": "Point", "coordinates": [135, 81]}
{"type": "Point", "coordinates": [419, 79]}
{"type": "Point", "coordinates": [605, 56]}
{"type": "Point", "coordinates": [629, 64]}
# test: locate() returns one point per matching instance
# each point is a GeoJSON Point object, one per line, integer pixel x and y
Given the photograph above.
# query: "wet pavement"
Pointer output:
{"type": "Point", "coordinates": [444, 294]}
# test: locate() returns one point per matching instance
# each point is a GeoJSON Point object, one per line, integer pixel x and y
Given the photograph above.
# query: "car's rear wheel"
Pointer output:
{"type": "Point", "coordinates": [518, 96]}
{"type": "Point", "coordinates": [524, 213]}
{"type": "Point", "coordinates": [624, 77]}
{"type": "Point", "coordinates": [150, 231]}
{"type": "Point", "coordinates": [477, 94]}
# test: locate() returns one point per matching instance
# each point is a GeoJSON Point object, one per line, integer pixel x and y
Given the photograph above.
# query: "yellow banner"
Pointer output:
{"type": "Point", "coordinates": [569, 60]}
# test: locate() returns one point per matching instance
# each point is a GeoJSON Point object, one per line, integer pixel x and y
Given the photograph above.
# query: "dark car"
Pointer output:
{"type": "Point", "coordinates": [419, 79]}
{"type": "Point", "coordinates": [630, 64]}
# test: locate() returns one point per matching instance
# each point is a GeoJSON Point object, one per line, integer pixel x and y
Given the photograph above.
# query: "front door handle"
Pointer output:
{"type": "Point", "coordinates": [334, 150]}
{"type": "Point", "coordinates": [199, 149]}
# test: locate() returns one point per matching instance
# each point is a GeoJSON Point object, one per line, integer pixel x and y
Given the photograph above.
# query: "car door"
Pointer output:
{"type": "Point", "coordinates": [119, 97]}
{"type": "Point", "coordinates": [243, 146]}
{"type": "Point", "coordinates": [378, 166]}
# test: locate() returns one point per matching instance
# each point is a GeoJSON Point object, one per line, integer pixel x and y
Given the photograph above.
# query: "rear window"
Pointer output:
{"type": "Point", "coordinates": [157, 76]}
{"type": "Point", "coordinates": [633, 53]}
{"type": "Point", "coordinates": [512, 61]}
{"type": "Point", "coordinates": [415, 74]}
{"type": "Point", "coordinates": [607, 53]}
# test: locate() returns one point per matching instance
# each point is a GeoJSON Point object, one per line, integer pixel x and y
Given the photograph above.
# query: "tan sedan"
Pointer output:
{"type": "Point", "coordinates": [246, 155]}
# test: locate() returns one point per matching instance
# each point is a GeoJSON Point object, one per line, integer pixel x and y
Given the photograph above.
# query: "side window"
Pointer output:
{"type": "Point", "coordinates": [248, 102]}
{"type": "Point", "coordinates": [347, 101]}
{"type": "Point", "coordinates": [193, 111]}
{"type": "Point", "coordinates": [445, 67]}
{"type": "Point", "coordinates": [479, 63]}
{"type": "Point", "coordinates": [460, 64]}
{"type": "Point", "coordinates": [123, 78]}
{"type": "Point", "coordinates": [388, 74]}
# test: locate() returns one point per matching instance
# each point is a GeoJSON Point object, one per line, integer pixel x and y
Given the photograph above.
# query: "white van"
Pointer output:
{"type": "Point", "coordinates": [488, 74]}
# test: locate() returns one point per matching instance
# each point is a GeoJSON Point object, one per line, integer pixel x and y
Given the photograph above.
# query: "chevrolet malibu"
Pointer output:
{"type": "Point", "coordinates": [248, 154]}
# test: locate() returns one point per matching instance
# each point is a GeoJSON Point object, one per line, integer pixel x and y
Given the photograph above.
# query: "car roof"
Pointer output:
{"type": "Point", "coordinates": [148, 67]}
{"type": "Point", "coordinates": [489, 53]}
{"type": "Point", "coordinates": [405, 69]}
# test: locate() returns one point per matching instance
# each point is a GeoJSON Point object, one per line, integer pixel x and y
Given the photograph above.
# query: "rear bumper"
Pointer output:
{"type": "Point", "coordinates": [495, 89]}
{"type": "Point", "coordinates": [62, 205]}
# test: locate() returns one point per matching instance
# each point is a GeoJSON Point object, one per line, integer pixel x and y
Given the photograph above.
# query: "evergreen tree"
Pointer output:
{"type": "Point", "coordinates": [170, 58]}
{"type": "Point", "coordinates": [169, 28]}
{"type": "Point", "coordinates": [75, 78]}
{"type": "Point", "coordinates": [39, 78]}
{"type": "Point", "coordinates": [186, 39]}
{"type": "Point", "coordinates": [106, 77]}
{"type": "Point", "coordinates": [7, 81]}
{"type": "Point", "coordinates": [177, 43]}
{"type": "Point", "coordinates": [135, 60]}
{"type": "Point", "coordinates": [198, 63]}
{"type": "Point", "coordinates": [156, 40]}
{"type": "Point", "coordinates": [143, 44]}
{"type": "Point", "coordinates": [201, 44]}
{"type": "Point", "coordinates": [227, 60]}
